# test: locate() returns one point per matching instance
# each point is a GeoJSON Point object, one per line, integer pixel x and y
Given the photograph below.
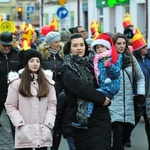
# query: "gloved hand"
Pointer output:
{"type": "Point", "coordinates": [139, 101]}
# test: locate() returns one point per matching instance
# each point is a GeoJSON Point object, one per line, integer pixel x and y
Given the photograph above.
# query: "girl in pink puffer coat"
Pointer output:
{"type": "Point", "coordinates": [31, 104]}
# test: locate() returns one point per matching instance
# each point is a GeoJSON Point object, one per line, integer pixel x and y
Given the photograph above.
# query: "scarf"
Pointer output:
{"type": "Point", "coordinates": [83, 66]}
{"type": "Point", "coordinates": [98, 57]}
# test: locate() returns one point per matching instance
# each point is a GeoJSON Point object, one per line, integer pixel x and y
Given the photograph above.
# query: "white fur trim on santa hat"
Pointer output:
{"type": "Point", "coordinates": [100, 42]}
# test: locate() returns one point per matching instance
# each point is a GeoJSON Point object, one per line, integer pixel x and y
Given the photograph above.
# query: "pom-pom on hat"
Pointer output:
{"type": "Point", "coordinates": [52, 37]}
{"type": "Point", "coordinates": [105, 40]}
{"type": "Point", "coordinates": [29, 54]}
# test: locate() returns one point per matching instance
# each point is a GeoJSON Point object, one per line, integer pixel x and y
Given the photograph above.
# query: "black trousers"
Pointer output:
{"type": "Point", "coordinates": [120, 134]}
{"type": "Point", "coordinates": [56, 141]}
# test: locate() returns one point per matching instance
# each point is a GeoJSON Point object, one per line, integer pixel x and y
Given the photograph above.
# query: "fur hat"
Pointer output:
{"type": "Point", "coordinates": [29, 54]}
{"type": "Point", "coordinates": [52, 37]}
{"type": "Point", "coordinates": [105, 40]}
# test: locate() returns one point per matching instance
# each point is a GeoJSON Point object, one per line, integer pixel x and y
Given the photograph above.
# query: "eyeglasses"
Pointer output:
{"type": "Point", "coordinates": [82, 31]}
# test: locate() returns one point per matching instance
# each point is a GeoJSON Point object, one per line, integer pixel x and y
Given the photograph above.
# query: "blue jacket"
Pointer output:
{"type": "Point", "coordinates": [144, 63]}
{"type": "Point", "coordinates": [113, 73]}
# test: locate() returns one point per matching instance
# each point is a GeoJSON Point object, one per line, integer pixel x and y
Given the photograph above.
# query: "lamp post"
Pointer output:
{"type": "Point", "coordinates": [146, 4]}
{"type": "Point", "coordinates": [42, 3]}
{"type": "Point", "coordinates": [78, 10]}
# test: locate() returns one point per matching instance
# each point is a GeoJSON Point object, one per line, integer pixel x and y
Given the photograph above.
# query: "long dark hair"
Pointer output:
{"type": "Point", "coordinates": [127, 55]}
{"type": "Point", "coordinates": [67, 46]}
{"type": "Point", "coordinates": [25, 85]}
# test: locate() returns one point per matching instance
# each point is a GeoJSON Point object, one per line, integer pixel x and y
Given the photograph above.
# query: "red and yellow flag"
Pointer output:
{"type": "Point", "coordinates": [94, 27]}
{"type": "Point", "coordinates": [25, 45]}
{"type": "Point", "coordinates": [138, 41]}
{"type": "Point", "coordinates": [27, 37]}
{"type": "Point", "coordinates": [54, 24]}
{"type": "Point", "coordinates": [127, 21]}
{"type": "Point", "coordinates": [22, 27]}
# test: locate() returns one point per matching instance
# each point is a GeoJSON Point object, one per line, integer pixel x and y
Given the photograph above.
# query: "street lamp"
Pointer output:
{"type": "Point", "coordinates": [78, 10]}
{"type": "Point", "coordinates": [41, 6]}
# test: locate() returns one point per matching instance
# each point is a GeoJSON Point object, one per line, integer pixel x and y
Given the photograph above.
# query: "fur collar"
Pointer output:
{"type": "Point", "coordinates": [16, 75]}
{"type": "Point", "coordinates": [46, 53]}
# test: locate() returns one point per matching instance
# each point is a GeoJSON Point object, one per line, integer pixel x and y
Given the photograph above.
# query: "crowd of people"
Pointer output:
{"type": "Point", "coordinates": [69, 84]}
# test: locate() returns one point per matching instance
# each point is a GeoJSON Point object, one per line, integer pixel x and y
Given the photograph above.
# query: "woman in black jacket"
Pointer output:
{"type": "Point", "coordinates": [80, 86]}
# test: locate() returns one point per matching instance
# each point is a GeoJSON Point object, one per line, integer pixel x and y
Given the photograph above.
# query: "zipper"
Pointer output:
{"type": "Point", "coordinates": [55, 68]}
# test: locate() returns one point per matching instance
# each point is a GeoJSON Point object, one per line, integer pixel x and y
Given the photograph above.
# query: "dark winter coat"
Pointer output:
{"type": "Point", "coordinates": [63, 117]}
{"type": "Point", "coordinates": [54, 63]}
{"type": "Point", "coordinates": [98, 134]}
{"type": "Point", "coordinates": [9, 62]}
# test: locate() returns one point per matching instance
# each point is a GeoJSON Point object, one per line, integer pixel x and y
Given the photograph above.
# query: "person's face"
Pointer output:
{"type": "Point", "coordinates": [34, 64]}
{"type": "Point", "coordinates": [5, 48]}
{"type": "Point", "coordinates": [55, 45]}
{"type": "Point", "coordinates": [120, 45]}
{"type": "Point", "coordinates": [144, 51]}
{"type": "Point", "coordinates": [100, 49]}
{"type": "Point", "coordinates": [83, 32]}
{"type": "Point", "coordinates": [78, 47]}
{"type": "Point", "coordinates": [14, 38]}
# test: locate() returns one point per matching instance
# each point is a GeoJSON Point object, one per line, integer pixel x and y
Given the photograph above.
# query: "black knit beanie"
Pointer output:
{"type": "Point", "coordinates": [28, 54]}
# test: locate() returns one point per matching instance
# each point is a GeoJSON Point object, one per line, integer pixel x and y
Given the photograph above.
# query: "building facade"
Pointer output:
{"type": "Point", "coordinates": [109, 16]}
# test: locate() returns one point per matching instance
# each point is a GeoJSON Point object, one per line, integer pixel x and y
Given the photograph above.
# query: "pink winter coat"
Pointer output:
{"type": "Point", "coordinates": [32, 117]}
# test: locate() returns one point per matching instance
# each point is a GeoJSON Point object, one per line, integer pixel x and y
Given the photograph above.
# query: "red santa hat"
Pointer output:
{"type": "Point", "coordinates": [105, 40]}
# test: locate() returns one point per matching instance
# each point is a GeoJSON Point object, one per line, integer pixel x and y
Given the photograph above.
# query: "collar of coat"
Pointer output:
{"type": "Point", "coordinates": [16, 75]}
{"type": "Point", "coordinates": [46, 53]}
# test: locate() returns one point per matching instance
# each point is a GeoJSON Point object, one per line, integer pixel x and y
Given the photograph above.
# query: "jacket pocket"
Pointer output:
{"type": "Point", "coordinates": [23, 134]}
{"type": "Point", "coordinates": [46, 134]}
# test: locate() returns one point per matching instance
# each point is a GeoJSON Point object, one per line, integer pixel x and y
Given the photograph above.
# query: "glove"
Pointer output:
{"type": "Point", "coordinates": [139, 101]}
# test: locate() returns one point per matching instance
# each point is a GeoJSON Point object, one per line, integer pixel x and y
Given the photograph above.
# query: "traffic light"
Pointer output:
{"type": "Point", "coordinates": [19, 10]}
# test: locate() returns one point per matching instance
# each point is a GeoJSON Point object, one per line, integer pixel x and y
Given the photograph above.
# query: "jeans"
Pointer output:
{"type": "Point", "coordinates": [70, 143]}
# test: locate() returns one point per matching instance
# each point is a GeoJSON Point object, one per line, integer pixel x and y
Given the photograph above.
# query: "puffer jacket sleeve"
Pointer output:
{"type": "Point", "coordinates": [139, 77]}
{"type": "Point", "coordinates": [51, 108]}
{"type": "Point", "coordinates": [77, 86]}
{"type": "Point", "coordinates": [11, 105]}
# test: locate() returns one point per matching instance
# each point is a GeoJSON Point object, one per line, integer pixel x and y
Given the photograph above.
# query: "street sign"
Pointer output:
{"type": "Point", "coordinates": [7, 26]}
{"type": "Point", "coordinates": [62, 12]}
{"type": "Point", "coordinates": [30, 9]}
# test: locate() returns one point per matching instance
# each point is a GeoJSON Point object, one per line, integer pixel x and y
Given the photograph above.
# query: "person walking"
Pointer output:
{"type": "Point", "coordinates": [52, 59]}
{"type": "Point", "coordinates": [143, 57]}
{"type": "Point", "coordinates": [122, 106]}
{"type": "Point", "coordinates": [31, 104]}
{"type": "Point", "coordinates": [81, 87]}
{"type": "Point", "coordinates": [62, 122]}
{"type": "Point", "coordinates": [9, 61]}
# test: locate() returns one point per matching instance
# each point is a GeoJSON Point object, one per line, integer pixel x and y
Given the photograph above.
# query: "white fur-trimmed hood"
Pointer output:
{"type": "Point", "coordinates": [15, 75]}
